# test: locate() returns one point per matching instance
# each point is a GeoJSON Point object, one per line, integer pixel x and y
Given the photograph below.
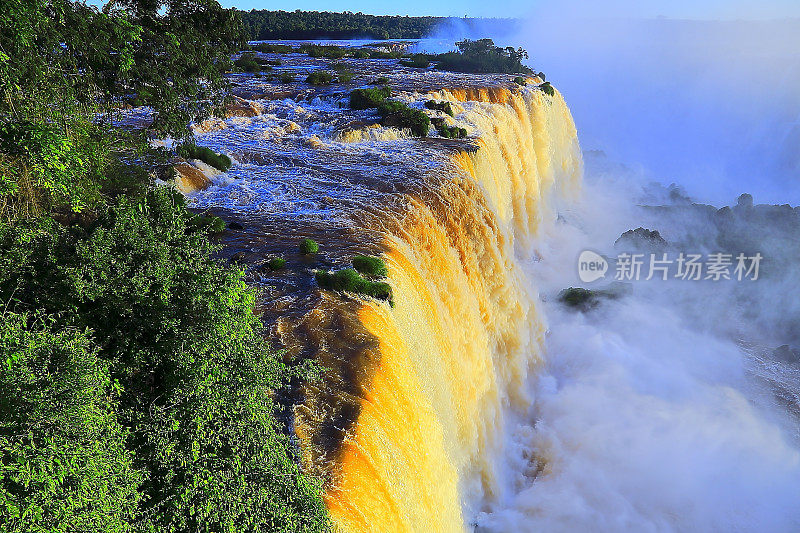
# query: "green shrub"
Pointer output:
{"type": "Point", "coordinates": [276, 263]}
{"type": "Point", "coordinates": [416, 61]}
{"type": "Point", "coordinates": [370, 266]}
{"type": "Point", "coordinates": [329, 52]}
{"type": "Point", "coordinates": [286, 77]}
{"type": "Point", "coordinates": [451, 132]}
{"type": "Point", "coordinates": [308, 246]}
{"type": "Point", "coordinates": [349, 280]}
{"type": "Point", "coordinates": [346, 76]}
{"type": "Point", "coordinates": [483, 56]}
{"type": "Point", "coordinates": [399, 115]}
{"type": "Point", "coordinates": [64, 458]}
{"type": "Point", "coordinates": [247, 63]}
{"type": "Point", "coordinates": [319, 77]}
{"type": "Point", "coordinates": [190, 375]}
{"type": "Point", "coordinates": [444, 107]}
{"type": "Point", "coordinates": [519, 80]}
{"type": "Point", "coordinates": [207, 223]}
{"type": "Point", "coordinates": [381, 80]}
{"type": "Point", "coordinates": [368, 98]}
{"type": "Point", "coordinates": [547, 89]}
{"type": "Point", "coordinates": [268, 48]}
{"type": "Point", "coordinates": [206, 155]}
{"type": "Point", "coordinates": [360, 54]}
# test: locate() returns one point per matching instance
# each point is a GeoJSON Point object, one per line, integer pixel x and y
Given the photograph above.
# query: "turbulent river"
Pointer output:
{"type": "Point", "coordinates": [477, 401]}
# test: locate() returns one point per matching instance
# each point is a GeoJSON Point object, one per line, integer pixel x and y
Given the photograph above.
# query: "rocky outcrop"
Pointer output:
{"type": "Point", "coordinates": [190, 179]}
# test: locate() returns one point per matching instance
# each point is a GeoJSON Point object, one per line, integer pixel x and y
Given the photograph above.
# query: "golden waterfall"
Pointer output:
{"type": "Point", "coordinates": [464, 333]}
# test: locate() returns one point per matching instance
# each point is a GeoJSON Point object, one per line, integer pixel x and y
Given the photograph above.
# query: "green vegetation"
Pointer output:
{"type": "Point", "coordinates": [137, 392]}
{"type": "Point", "coordinates": [345, 76]}
{"type": "Point", "coordinates": [268, 48]}
{"type": "Point", "coordinates": [247, 63]}
{"type": "Point", "coordinates": [587, 299]}
{"type": "Point", "coordinates": [205, 222]}
{"type": "Point", "coordinates": [483, 56]}
{"type": "Point", "coordinates": [318, 50]}
{"type": "Point", "coordinates": [368, 98]}
{"type": "Point", "coordinates": [399, 115]}
{"type": "Point", "coordinates": [519, 80]}
{"type": "Point", "coordinates": [370, 266]}
{"type": "Point", "coordinates": [381, 80]}
{"type": "Point", "coordinates": [266, 25]}
{"type": "Point", "coordinates": [416, 61]}
{"type": "Point", "coordinates": [444, 107]}
{"type": "Point", "coordinates": [319, 77]}
{"type": "Point", "coordinates": [277, 263]}
{"type": "Point", "coordinates": [206, 155]}
{"type": "Point", "coordinates": [548, 89]}
{"type": "Point", "coordinates": [286, 77]}
{"type": "Point", "coordinates": [349, 280]}
{"type": "Point", "coordinates": [308, 246]}
{"type": "Point", "coordinates": [451, 132]}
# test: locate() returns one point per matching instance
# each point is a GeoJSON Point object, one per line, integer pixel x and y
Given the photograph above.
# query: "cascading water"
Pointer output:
{"type": "Point", "coordinates": [407, 422]}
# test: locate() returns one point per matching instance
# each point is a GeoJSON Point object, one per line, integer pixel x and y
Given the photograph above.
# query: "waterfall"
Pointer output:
{"type": "Point", "coordinates": [455, 350]}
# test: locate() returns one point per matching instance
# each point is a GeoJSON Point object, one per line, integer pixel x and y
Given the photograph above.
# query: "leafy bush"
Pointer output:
{"type": "Point", "coordinates": [63, 450]}
{"type": "Point", "coordinates": [187, 368]}
{"type": "Point", "coordinates": [444, 107]}
{"type": "Point", "coordinates": [268, 48]}
{"type": "Point", "coordinates": [349, 280]}
{"type": "Point", "coordinates": [286, 77]}
{"type": "Point", "coordinates": [329, 52]}
{"type": "Point", "coordinates": [370, 266]}
{"type": "Point", "coordinates": [346, 76]}
{"type": "Point", "coordinates": [547, 89]}
{"type": "Point", "coordinates": [206, 155]}
{"type": "Point", "coordinates": [208, 223]}
{"type": "Point", "coordinates": [451, 132]}
{"type": "Point", "coordinates": [368, 98]}
{"type": "Point", "coordinates": [276, 263]}
{"type": "Point", "coordinates": [319, 77]}
{"type": "Point", "coordinates": [416, 61]}
{"type": "Point", "coordinates": [246, 62]}
{"type": "Point", "coordinates": [308, 246]}
{"type": "Point", "coordinates": [360, 54]}
{"type": "Point", "coordinates": [398, 114]}
{"type": "Point", "coordinates": [519, 80]}
{"type": "Point", "coordinates": [483, 56]}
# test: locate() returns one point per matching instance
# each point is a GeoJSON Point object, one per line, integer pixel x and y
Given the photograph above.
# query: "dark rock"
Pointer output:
{"type": "Point", "coordinates": [786, 354]}
{"type": "Point", "coordinates": [235, 226]}
{"type": "Point", "coordinates": [640, 238]}
{"type": "Point", "coordinates": [745, 201]}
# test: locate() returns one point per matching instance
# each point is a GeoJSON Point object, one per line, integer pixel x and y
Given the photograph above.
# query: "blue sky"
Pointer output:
{"type": "Point", "coordinates": [704, 9]}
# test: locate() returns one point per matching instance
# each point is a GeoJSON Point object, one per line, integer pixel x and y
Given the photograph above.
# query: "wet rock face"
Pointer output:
{"type": "Point", "coordinates": [786, 354]}
{"type": "Point", "coordinates": [641, 239]}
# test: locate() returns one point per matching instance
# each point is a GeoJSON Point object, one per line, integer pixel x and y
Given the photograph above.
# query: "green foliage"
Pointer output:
{"type": "Point", "coordinates": [266, 25]}
{"type": "Point", "coordinates": [548, 89]}
{"type": "Point", "coordinates": [317, 50]}
{"type": "Point", "coordinates": [286, 77]}
{"type": "Point", "coordinates": [206, 155]}
{"type": "Point", "coordinates": [399, 115]}
{"type": "Point", "coordinates": [268, 48]}
{"type": "Point", "coordinates": [381, 80]}
{"type": "Point", "coordinates": [207, 223]}
{"type": "Point", "coordinates": [444, 107]}
{"type": "Point", "coordinates": [360, 53]}
{"type": "Point", "coordinates": [319, 77]}
{"type": "Point", "coordinates": [451, 132]}
{"type": "Point", "coordinates": [65, 466]}
{"type": "Point", "coordinates": [185, 354]}
{"type": "Point", "coordinates": [483, 56]}
{"type": "Point", "coordinates": [370, 266]}
{"type": "Point", "coordinates": [308, 246]}
{"type": "Point", "coordinates": [368, 98]}
{"type": "Point", "coordinates": [345, 76]}
{"type": "Point", "coordinates": [519, 80]}
{"type": "Point", "coordinates": [416, 61]}
{"type": "Point", "coordinates": [349, 280]}
{"type": "Point", "coordinates": [246, 62]}
{"type": "Point", "coordinates": [277, 263]}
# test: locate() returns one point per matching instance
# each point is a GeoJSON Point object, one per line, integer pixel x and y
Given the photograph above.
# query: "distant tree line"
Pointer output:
{"type": "Point", "coordinates": [264, 25]}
